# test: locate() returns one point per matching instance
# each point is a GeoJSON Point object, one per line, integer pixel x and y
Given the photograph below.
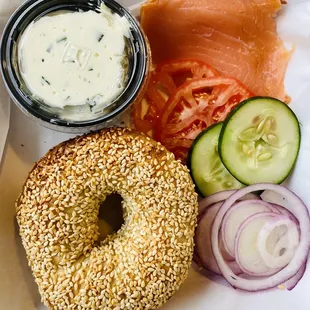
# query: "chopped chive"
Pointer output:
{"type": "Point", "coordinates": [101, 35]}
{"type": "Point", "coordinates": [45, 80]}
{"type": "Point", "coordinates": [68, 98]}
{"type": "Point", "coordinates": [91, 69]}
{"type": "Point", "coordinates": [61, 39]}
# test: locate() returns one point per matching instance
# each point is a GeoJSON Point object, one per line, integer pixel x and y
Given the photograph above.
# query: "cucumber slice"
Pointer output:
{"type": "Point", "coordinates": [207, 170]}
{"type": "Point", "coordinates": [260, 141]}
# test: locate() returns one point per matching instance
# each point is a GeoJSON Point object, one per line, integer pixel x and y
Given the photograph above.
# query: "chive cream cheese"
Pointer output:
{"type": "Point", "coordinates": [75, 58]}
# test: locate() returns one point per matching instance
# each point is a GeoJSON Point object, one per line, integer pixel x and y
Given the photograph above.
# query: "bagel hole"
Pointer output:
{"type": "Point", "coordinates": [110, 218]}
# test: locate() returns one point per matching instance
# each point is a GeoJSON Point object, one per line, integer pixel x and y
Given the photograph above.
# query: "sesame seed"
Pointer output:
{"type": "Point", "coordinates": [140, 266]}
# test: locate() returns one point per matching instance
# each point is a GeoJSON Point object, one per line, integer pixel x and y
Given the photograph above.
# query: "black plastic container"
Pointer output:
{"type": "Point", "coordinates": [64, 119]}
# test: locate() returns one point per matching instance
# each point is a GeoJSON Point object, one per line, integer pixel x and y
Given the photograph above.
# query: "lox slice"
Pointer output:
{"type": "Point", "coordinates": [239, 39]}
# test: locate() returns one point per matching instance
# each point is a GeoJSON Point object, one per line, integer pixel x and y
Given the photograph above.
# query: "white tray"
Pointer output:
{"type": "Point", "coordinates": [27, 142]}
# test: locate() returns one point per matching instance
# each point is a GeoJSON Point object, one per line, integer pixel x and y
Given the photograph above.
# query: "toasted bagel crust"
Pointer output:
{"type": "Point", "coordinates": [144, 263]}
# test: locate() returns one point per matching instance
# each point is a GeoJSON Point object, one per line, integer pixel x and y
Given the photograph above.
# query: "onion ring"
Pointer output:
{"type": "Point", "coordinates": [291, 283]}
{"type": "Point", "coordinates": [246, 252]}
{"type": "Point", "coordinates": [289, 242]}
{"type": "Point", "coordinates": [221, 196]}
{"type": "Point", "coordinates": [235, 216]}
{"type": "Point", "coordinates": [297, 208]}
{"type": "Point", "coordinates": [203, 248]}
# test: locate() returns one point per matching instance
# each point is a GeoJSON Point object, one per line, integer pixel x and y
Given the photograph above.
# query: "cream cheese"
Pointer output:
{"type": "Point", "coordinates": [75, 58]}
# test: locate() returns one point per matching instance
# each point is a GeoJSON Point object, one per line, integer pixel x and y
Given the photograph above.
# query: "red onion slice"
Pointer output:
{"type": "Point", "coordinates": [277, 241]}
{"type": "Point", "coordinates": [275, 198]}
{"type": "Point", "coordinates": [203, 247]}
{"type": "Point", "coordinates": [224, 252]}
{"type": "Point", "coordinates": [203, 239]}
{"type": "Point", "coordinates": [215, 198]}
{"type": "Point", "coordinates": [297, 208]}
{"type": "Point", "coordinates": [221, 196]}
{"type": "Point", "coordinates": [246, 251]}
{"type": "Point", "coordinates": [284, 211]}
{"type": "Point", "coordinates": [235, 216]}
{"type": "Point", "coordinates": [277, 209]}
{"type": "Point", "coordinates": [291, 283]}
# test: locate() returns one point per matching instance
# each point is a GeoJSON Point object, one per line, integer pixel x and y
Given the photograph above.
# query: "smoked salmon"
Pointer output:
{"type": "Point", "coordinates": [237, 37]}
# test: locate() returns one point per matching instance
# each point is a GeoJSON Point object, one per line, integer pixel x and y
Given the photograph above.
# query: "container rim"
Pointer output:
{"type": "Point", "coordinates": [32, 9]}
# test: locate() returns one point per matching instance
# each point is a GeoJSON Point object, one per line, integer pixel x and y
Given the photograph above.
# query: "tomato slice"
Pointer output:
{"type": "Point", "coordinates": [165, 81]}
{"type": "Point", "coordinates": [176, 73]}
{"type": "Point", "coordinates": [183, 98]}
{"type": "Point", "coordinates": [195, 106]}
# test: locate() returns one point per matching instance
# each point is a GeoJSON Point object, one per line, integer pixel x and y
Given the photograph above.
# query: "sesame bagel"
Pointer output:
{"type": "Point", "coordinates": [139, 267]}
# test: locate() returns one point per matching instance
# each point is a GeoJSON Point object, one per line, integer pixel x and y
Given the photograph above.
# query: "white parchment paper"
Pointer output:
{"type": "Point", "coordinates": [294, 28]}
